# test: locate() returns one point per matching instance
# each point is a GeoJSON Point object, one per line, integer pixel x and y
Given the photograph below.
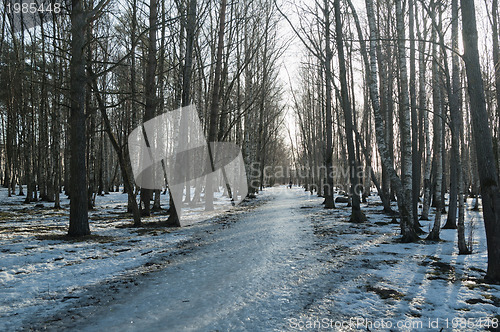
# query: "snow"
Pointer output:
{"type": "Point", "coordinates": [39, 271]}
{"type": "Point", "coordinates": [284, 264]}
{"type": "Point", "coordinates": [423, 282]}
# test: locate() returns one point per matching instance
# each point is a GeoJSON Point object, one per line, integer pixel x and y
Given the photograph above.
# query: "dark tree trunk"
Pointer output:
{"type": "Point", "coordinates": [173, 219]}
{"type": "Point", "coordinates": [150, 91]}
{"type": "Point", "coordinates": [496, 62]}
{"type": "Point", "coordinates": [78, 217]}
{"type": "Point", "coordinates": [357, 215]}
{"type": "Point", "coordinates": [458, 128]}
{"type": "Point", "coordinates": [455, 117]}
{"type": "Point", "coordinates": [488, 176]}
{"type": "Point", "coordinates": [214, 107]}
{"type": "Point", "coordinates": [329, 202]}
{"type": "Point", "coordinates": [123, 158]}
{"type": "Point", "coordinates": [415, 172]}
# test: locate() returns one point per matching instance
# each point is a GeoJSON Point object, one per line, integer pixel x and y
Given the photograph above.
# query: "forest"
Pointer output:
{"type": "Point", "coordinates": [377, 108]}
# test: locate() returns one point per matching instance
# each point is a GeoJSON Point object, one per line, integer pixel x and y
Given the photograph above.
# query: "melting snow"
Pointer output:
{"type": "Point", "coordinates": [286, 264]}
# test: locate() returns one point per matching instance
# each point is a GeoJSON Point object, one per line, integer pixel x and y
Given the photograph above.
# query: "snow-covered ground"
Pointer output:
{"type": "Point", "coordinates": [286, 264]}
{"type": "Point", "coordinates": [42, 271]}
{"type": "Point", "coordinates": [415, 286]}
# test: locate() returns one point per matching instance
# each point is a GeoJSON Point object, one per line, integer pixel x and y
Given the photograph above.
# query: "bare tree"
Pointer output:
{"type": "Point", "coordinates": [407, 229]}
{"type": "Point", "coordinates": [357, 215]}
{"type": "Point", "coordinates": [173, 219]}
{"type": "Point", "coordinates": [214, 108]}
{"type": "Point", "coordinates": [78, 219]}
{"type": "Point", "coordinates": [150, 90]}
{"type": "Point", "coordinates": [488, 176]}
{"type": "Point", "coordinates": [404, 112]}
{"type": "Point", "coordinates": [438, 127]}
{"type": "Point", "coordinates": [329, 202]}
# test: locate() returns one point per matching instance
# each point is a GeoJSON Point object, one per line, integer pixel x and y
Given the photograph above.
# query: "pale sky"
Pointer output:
{"type": "Point", "coordinates": [296, 51]}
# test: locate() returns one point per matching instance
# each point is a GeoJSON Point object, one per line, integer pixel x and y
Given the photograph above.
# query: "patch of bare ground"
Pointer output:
{"type": "Point", "coordinates": [88, 238]}
{"type": "Point", "coordinates": [31, 229]}
{"type": "Point", "coordinates": [385, 293]}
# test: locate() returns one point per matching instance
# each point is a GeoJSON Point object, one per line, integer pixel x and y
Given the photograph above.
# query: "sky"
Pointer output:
{"type": "Point", "coordinates": [290, 68]}
{"type": "Point", "coordinates": [295, 53]}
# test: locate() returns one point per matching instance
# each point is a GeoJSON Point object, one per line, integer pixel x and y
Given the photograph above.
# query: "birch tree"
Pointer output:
{"type": "Point", "coordinates": [438, 127]}
{"type": "Point", "coordinates": [407, 230]}
{"type": "Point", "coordinates": [404, 113]}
